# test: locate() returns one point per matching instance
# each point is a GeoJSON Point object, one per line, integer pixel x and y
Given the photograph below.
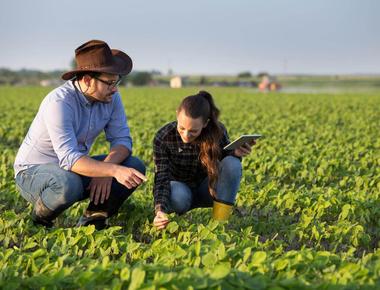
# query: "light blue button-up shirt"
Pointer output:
{"type": "Point", "coordinates": [66, 126]}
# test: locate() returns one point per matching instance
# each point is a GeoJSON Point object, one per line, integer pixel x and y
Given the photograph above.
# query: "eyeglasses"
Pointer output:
{"type": "Point", "coordinates": [111, 84]}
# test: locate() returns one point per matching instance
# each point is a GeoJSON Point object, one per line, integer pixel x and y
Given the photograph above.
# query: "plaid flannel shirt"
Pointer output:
{"type": "Point", "coordinates": [176, 160]}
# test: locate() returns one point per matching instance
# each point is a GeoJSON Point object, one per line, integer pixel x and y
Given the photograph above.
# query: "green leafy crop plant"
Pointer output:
{"type": "Point", "coordinates": [307, 213]}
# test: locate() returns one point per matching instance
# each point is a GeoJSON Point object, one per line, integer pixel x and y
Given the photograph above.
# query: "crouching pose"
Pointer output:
{"type": "Point", "coordinates": [52, 167]}
{"type": "Point", "coordinates": [191, 168]}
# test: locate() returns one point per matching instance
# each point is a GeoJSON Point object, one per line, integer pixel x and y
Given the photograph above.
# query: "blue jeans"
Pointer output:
{"type": "Point", "coordinates": [59, 188]}
{"type": "Point", "coordinates": [183, 198]}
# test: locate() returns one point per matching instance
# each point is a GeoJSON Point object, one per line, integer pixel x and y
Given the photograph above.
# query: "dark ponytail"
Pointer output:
{"type": "Point", "coordinates": [202, 105]}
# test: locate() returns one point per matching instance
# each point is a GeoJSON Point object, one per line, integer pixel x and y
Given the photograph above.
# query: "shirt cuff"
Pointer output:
{"type": "Point", "coordinates": [161, 207]}
{"type": "Point", "coordinates": [126, 144]}
{"type": "Point", "coordinates": [68, 163]}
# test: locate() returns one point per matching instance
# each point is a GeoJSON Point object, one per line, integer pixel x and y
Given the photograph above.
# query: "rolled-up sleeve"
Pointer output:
{"type": "Point", "coordinates": [58, 117]}
{"type": "Point", "coordinates": [117, 130]}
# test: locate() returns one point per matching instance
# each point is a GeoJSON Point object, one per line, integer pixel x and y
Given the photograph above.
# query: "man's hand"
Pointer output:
{"type": "Point", "coordinates": [245, 149]}
{"type": "Point", "coordinates": [161, 220]}
{"type": "Point", "coordinates": [129, 177]}
{"type": "Point", "coordinates": [100, 189]}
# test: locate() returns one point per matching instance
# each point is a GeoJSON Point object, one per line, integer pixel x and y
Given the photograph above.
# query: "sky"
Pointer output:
{"type": "Point", "coordinates": [204, 37]}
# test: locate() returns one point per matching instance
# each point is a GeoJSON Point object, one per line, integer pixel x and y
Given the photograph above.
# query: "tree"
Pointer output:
{"type": "Point", "coordinates": [203, 81]}
{"type": "Point", "coordinates": [140, 78]}
{"type": "Point", "coordinates": [73, 64]}
{"type": "Point", "coordinates": [262, 74]}
{"type": "Point", "coordinates": [245, 74]}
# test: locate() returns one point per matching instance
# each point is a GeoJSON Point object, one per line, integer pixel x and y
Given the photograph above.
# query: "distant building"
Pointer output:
{"type": "Point", "coordinates": [176, 82]}
{"type": "Point", "coordinates": [179, 82]}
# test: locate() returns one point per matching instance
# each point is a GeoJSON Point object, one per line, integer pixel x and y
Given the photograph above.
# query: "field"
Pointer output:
{"type": "Point", "coordinates": [307, 214]}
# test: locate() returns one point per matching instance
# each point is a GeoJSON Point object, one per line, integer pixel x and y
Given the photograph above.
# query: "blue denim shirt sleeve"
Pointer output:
{"type": "Point", "coordinates": [66, 126]}
{"type": "Point", "coordinates": [117, 130]}
{"type": "Point", "coordinates": [58, 118]}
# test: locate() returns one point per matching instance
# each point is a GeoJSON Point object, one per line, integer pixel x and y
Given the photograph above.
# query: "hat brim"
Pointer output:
{"type": "Point", "coordinates": [122, 65]}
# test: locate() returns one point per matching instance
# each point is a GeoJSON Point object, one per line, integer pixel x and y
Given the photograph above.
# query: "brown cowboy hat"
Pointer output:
{"type": "Point", "coordinates": [96, 56]}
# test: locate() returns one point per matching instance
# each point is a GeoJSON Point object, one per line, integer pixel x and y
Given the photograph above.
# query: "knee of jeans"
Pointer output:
{"type": "Point", "coordinates": [231, 166]}
{"type": "Point", "coordinates": [69, 187]}
{"type": "Point", "coordinates": [135, 163]}
{"type": "Point", "coordinates": [180, 198]}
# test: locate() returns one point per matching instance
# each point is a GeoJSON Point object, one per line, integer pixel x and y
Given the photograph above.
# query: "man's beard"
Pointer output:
{"type": "Point", "coordinates": [106, 101]}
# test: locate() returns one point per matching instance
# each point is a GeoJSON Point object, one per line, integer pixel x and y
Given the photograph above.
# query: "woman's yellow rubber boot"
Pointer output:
{"type": "Point", "coordinates": [221, 211]}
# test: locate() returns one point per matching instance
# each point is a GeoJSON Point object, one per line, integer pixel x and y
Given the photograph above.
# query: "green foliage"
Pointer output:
{"type": "Point", "coordinates": [140, 78]}
{"type": "Point", "coordinates": [245, 74]}
{"type": "Point", "coordinates": [307, 213]}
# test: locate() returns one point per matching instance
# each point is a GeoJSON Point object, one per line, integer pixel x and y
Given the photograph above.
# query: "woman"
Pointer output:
{"type": "Point", "coordinates": [191, 168]}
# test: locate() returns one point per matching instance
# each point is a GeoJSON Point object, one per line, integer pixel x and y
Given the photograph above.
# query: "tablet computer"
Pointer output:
{"type": "Point", "coordinates": [241, 140]}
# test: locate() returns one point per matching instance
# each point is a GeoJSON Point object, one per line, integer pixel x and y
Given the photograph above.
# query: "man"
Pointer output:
{"type": "Point", "coordinates": [52, 167]}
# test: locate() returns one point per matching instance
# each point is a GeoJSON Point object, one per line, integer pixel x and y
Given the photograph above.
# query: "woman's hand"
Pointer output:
{"type": "Point", "coordinates": [161, 220]}
{"type": "Point", "coordinates": [245, 149]}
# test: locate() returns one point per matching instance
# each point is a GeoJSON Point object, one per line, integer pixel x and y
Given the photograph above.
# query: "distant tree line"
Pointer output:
{"type": "Point", "coordinates": [35, 77]}
{"type": "Point", "coordinates": [136, 78]}
{"type": "Point", "coordinates": [26, 77]}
